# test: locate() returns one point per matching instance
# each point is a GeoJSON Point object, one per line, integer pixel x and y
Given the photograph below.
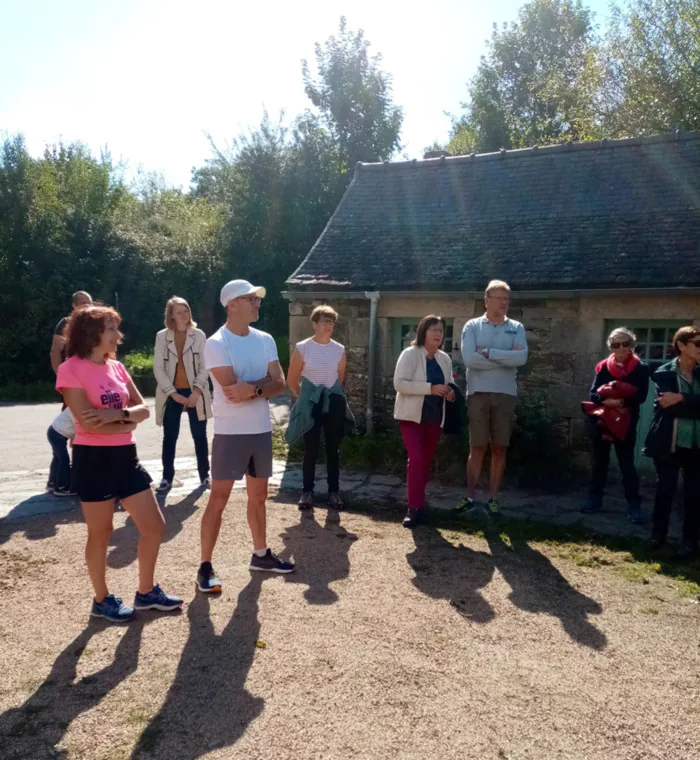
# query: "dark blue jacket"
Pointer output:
{"type": "Point", "coordinates": [639, 377]}
{"type": "Point", "coordinates": [661, 438]}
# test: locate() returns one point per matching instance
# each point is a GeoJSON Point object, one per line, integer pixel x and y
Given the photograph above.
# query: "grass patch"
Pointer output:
{"type": "Point", "coordinates": [626, 555]}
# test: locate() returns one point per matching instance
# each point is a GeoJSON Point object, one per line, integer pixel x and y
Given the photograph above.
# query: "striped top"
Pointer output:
{"type": "Point", "coordinates": [320, 361]}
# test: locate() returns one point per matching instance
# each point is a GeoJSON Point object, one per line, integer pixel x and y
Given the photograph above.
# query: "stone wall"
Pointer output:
{"type": "Point", "coordinates": [566, 337]}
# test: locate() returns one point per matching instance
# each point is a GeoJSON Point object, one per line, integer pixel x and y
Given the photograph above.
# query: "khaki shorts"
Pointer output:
{"type": "Point", "coordinates": [491, 418]}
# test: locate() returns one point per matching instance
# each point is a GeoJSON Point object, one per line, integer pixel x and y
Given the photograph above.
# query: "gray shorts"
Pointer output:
{"type": "Point", "coordinates": [233, 456]}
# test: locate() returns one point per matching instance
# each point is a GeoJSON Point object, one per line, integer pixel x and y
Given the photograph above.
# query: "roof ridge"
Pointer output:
{"type": "Point", "coordinates": [536, 150]}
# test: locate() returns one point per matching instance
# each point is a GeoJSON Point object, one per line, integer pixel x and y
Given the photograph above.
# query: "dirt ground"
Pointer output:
{"type": "Point", "coordinates": [383, 644]}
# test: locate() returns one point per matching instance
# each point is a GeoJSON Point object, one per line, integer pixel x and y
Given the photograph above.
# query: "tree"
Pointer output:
{"type": "Point", "coordinates": [537, 82]}
{"type": "Point", "coordinates": [652, 82]}
{"type": "Point", "coordinates": [354, 98]}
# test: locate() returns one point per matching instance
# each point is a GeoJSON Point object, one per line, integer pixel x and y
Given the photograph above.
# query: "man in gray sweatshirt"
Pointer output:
{"type": "Point", "coordinates": [493, 347]}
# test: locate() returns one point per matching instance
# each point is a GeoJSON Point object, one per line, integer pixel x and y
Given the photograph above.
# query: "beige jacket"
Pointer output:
{"type": "Point", "coordinates": [165, 366]}
{"type": "Point", "coordinates": [411, 385]}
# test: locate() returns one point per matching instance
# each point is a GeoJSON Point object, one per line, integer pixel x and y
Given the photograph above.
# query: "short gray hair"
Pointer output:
{"type": "Point", "coordinates": [622, 331]}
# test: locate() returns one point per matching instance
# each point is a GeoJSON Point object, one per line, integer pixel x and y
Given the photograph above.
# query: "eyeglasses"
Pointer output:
{"type": "Point", "coordinates": [621, 344]}
{"type": "Point", "coordinates": [253, 300]}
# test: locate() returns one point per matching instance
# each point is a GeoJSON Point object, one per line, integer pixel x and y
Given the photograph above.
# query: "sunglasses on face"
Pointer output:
{"type": "Point", "coordinates": [695, 343]}
{"type": "Point", "coordinates": [621, 344]}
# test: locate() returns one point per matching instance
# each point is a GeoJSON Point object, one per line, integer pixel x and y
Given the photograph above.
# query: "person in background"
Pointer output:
{"type": "Point", "coordinates": [58, 343]}
{"type": "Point", "coordinates": [183, 386]}
{"type": "Point", "coordinates": [316, 374]}
{"type": "Point", "coordinates": [61, 430]}
{"type": "Point", "coordinates": [493, 347]}
{"type": "Point", "coordinates": [107, 406]}
{"type": "Point", "coordinates": [421, 379]}
{"type": "Point", "coordinates": [623, 365]}
{"type": "Point", "coordinates": [673, 441]}
{"type": "Point", "coordinates": [245, 372]}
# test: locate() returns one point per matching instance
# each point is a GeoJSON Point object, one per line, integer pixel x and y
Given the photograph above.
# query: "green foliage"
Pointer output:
{"type": "Point", "coordinates": [68, 221]}
{"type": "Point", "coordinates": [538, 456]}
{"type": "Point", "coordinates": [536, 83]}
{"type": "Point", "coordinates": [353, 97]}
{"type": "Point", "coordinates": [40, 390]}
{"type": "Point", "coordinates": [652, 55]}
{"type": "Point", "coordinates": [139, 363]}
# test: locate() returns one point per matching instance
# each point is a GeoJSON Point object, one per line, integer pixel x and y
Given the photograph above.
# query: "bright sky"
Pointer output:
{"type": "Point", "coordinates": [149, 78]}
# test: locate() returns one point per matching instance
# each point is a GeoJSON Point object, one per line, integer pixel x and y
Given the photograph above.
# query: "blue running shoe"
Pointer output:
{"type": "Point", "coordinates": [157, 599]}
{"type": "Point", "coordinates": [113, 609]}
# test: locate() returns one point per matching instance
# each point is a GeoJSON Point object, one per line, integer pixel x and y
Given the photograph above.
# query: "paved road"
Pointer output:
{"type": "Point", "coordinates": [25, 455]}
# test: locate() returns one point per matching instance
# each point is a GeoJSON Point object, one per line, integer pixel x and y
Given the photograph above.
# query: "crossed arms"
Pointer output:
{"type": "Point", "coordinates": [493, 358]}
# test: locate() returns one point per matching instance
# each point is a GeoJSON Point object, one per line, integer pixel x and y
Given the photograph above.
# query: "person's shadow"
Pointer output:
{"type": "Point", "coordinates": [321, 555]}
{"type": "Point", "coordinates": [35, 729]}
{"type": "Point", "coordinates": [125, 539]}
{"type": "Point", "coordinates": [208, 706]}
{"type": "Point", "coordinates": [537, 586]}
{"type": "Point", "coordinates": [454, 573]}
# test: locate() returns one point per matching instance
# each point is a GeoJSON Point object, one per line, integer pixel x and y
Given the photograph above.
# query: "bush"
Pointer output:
{"type": "Point", "coordinates": [26, 392]}
{"type": "Point", "coordinates": [283, 352]}
{"type": "Point", "coordinates": [139, 365]}
{"type": "Point", "coordinates": [538, 454]}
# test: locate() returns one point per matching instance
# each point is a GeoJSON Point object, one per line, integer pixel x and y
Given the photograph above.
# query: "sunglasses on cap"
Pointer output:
{"type": "Point", "coordinates": [621, 344]}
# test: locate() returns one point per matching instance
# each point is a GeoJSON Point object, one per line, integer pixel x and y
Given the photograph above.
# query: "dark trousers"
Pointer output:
{"type": "Point", "coordinates": [59, 471]}
{"type": "Point", "coordinates": [333, 426]}
{"type": "Point", "coordinates": [625, 457]}
{"type": "Point", "coordinates": [667, 471]}
{"type": "Point", "coordinates": [171, 430]}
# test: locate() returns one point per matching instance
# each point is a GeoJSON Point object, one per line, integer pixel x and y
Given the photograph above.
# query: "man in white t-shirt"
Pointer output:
{"type": "Point", "coordinates": [245, 372]}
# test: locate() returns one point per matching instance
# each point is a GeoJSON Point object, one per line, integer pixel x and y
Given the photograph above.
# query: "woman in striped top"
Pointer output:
{"type": "Point", "coordinates": [321, 361]}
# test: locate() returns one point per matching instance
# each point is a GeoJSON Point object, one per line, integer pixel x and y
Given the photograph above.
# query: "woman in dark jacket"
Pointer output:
{"type": "Point", "coordinates": [623, 365]}
{"type": "Point", "coordinates": [674, 441]}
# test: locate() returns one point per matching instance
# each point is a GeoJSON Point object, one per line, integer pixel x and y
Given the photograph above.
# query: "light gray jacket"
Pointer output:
{"type": "Point", "coordinates": [165, 366]}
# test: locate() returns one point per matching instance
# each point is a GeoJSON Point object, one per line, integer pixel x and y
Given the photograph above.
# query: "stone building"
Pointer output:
{"type": "Point", "coordinates": [589, 236]}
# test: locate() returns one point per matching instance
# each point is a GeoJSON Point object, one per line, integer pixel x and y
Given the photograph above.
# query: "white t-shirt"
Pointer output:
{"type": "Point", "coordinates": [64, 424]}
{"type": "Point", "coordinates": [249, 357]}
{"type": "Point", "coordinates": [320, 361]}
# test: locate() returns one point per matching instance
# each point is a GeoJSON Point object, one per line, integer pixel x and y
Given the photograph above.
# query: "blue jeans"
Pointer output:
{"type": "Point", "coordinates": [171, 430]}
{"type": "Point", "coordinates": [59, 472]}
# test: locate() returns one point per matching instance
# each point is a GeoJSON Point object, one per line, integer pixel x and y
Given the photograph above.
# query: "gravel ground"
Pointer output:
{"type": "Point", "coordinates": [384, 644]}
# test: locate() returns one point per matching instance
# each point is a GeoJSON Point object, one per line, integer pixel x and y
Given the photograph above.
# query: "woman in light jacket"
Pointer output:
{"type": "Point", "coordinates": [421, 380]}
{"type": "Point", "coordinates": [183, 385]}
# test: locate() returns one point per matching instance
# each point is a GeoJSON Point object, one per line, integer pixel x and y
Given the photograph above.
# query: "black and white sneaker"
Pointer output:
{"type": "Point", "coordinates": [270, 563]}
{"type": "Point", "coordinates": [164, 486]}
{"type": "Point", "coordinates": [207, 580]}
{"type": "Point", "coordinates": [306, 500]}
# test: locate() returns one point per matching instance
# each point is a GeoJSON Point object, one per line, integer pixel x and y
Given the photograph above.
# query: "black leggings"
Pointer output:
{"type": "Point", "coordinates": [667, 470]}
{"type": "Point", "coordinates": [333, 425]}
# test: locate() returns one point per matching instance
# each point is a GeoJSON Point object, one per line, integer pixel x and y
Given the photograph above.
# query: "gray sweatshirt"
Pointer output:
{"type": "Point", "coordinates": [498, 373]}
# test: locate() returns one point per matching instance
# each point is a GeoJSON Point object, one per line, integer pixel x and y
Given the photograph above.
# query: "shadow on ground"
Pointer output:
{"type": "Point", "coordinates": [538, 587]}
{"type": "Point", "coordinates": [124, 540]}
{"type": "Point", "coordinates": [455, 573]}
{"type": "Point", "coordinates": [208, 706]}
{"type": "Point", "coordinates": [36, 728]}
{"type": "Point", "coordinates": [321, 554]}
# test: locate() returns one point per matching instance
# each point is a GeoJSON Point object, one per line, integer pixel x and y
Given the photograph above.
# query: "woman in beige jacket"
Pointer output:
{"type": "Point", "coordinates": [183, 385]}
{"type": "Point", "coordinates": [421, 380]}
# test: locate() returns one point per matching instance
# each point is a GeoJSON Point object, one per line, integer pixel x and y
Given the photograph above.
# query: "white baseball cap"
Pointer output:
{"type": "Point", "coordinates": [238, 288]}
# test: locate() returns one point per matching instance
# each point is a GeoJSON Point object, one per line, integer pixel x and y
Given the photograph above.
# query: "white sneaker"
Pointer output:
{"type": "Point", "coordinates": [206, 483]}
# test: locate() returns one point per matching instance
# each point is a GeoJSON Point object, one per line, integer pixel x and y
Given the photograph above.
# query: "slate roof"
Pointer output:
{"type": "Point", "coordinates": [610, 214]}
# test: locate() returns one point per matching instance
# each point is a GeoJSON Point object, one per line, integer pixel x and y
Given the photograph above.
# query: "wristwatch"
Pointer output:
{"type": "Point", "coordinates": [125, 415]}
{"type": "Point", "coordinates": [258, 390]}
